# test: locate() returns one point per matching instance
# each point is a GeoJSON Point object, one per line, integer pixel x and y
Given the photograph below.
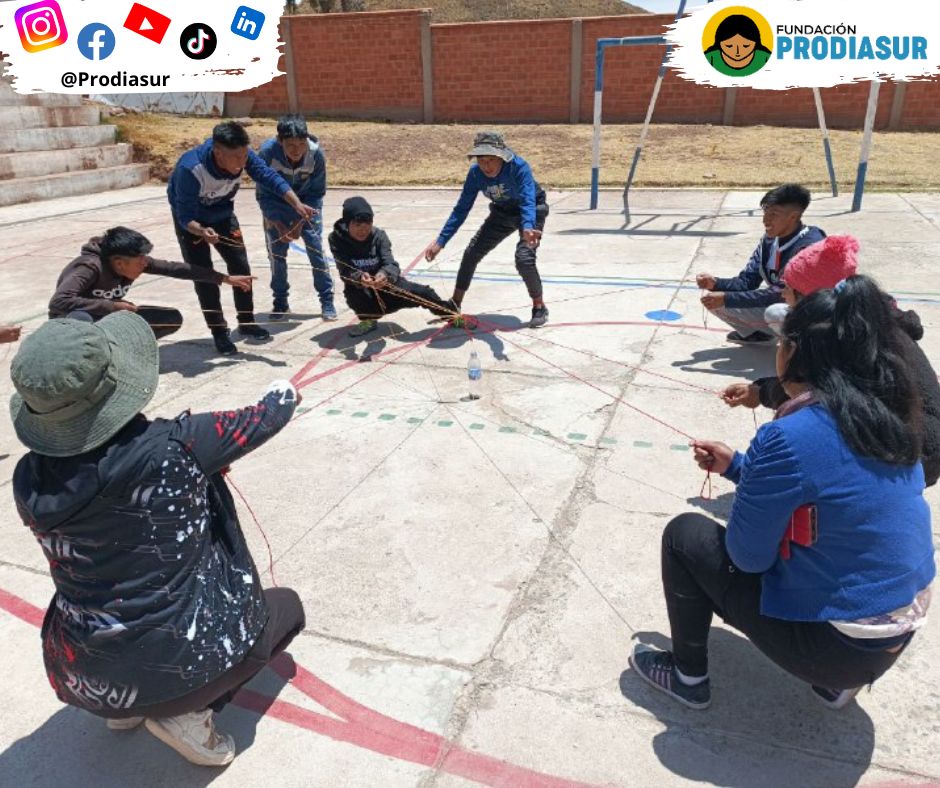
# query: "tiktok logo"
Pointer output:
{"type": "Point", "coordinates": [198, 41]}
{"type": "Point", "coordinates": [247, 23]}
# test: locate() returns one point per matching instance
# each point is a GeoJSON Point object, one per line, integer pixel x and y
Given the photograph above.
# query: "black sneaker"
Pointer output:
{"type": "Point", "coordinates": [658, 669]}
{"type": "Point", "coordinates": [757, 338]}
{"type": "Point", "coordinates": [539, 316]}
{"type": "Point", "coordinates": [254, 331]}
{"type": "Point", "coordinates": [224, 344]}
{"type": "Point", "coordinates": [279, 311]}
{"type": "Point", "coordinates": [833, 698]}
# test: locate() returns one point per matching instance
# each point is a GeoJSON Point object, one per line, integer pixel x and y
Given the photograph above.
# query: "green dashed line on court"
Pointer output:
{"type": "Point", "coordinates": [508, 429]}
{"type": "Point", "coordinates": [360, 414]}
{"type": "Point", "coordinates": [333, 412]}
{"type": "Point", "coordinates": [679, 447]}
{"type": "Point", "coordinates": [301, 411]}
{"type": "Point", "coordinates": [476, 426]}
{"type": "Point", "coordinates": [577, 436]}
{"type": "Point", "coordinates": [609, 441]}
{"type": "Point", "coordinates": [388, 417]}
{"type": "Point", "coordinates": [415, 420]}
{"type": "Point", "coordinates": [445, 423]}
{"type": "Point", "coordinates": [643, 444]}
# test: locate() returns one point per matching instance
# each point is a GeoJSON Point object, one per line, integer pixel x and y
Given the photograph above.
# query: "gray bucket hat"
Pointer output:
{"type": "Point", "coordinates": [490, 143]}
{"type": "Point", "coordinates": [78, 383]}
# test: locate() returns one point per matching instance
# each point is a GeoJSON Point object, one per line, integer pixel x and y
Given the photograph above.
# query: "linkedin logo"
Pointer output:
{"type": "Point", "coordinates": [247, 23]}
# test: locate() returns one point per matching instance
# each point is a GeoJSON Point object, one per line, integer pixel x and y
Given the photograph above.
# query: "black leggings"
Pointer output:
{"type": "Point", "coordinates": [699, 579]}
{"type": "Point", "coordinates": [163, 320]}
{"type": "Point", "coordinates": [369, 306]}
{"type": "Point", "coordinates": [498, 226]}
{"type": "Point", "coordinates": [232, 250]}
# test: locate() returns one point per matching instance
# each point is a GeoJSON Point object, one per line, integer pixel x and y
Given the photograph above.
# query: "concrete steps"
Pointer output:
{"type": "Point", "coordinates": [23, 140]}
{"type": "Point", "coordinates": [55, 145]}
{"type": "Point", "coordinates": [20, 117]}
{"type": "Point", "coordinates": [69, 184]}
{"type": "Point", "coordinates": [49, 162]}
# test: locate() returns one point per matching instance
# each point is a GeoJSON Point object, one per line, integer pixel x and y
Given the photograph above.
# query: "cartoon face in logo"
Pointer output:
{"type": "Point", "coordinates": [737, 41]}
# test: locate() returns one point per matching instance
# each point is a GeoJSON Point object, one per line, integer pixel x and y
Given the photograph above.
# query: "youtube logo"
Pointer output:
{"type": "Point", "coordinates": [147, 22]}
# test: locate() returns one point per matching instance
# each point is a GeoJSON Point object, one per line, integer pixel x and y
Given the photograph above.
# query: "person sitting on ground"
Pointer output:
{"type": "Point", "coordinates": [296, 156]}
{"type": "Point", "coordinates": [517, 205]}
{"type": "Point", "coordinates": [158, 613]}
{"type": "Point", "coordinates": [821, 266]}
{"type": "Point", "coordinates": [372, 282]}
{"type": "Point", "coordinates": [741, 301]}
{"type": "Point", "coordinates": [96, 282]}
{"type": "Point", "coordinates": [202, 193]}
{"type": "Point", "coordinates": [827, 559]}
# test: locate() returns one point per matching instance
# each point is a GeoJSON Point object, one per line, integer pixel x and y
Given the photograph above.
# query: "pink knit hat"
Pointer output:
{"type": "Point", "coordinates": [822, 265]}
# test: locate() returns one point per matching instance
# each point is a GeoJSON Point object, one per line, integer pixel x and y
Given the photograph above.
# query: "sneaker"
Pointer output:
{"type": "Point", "coordinates": [224, 344]}
{"type": "Point", "coordinates": [126, 724]}
{"type": "Point", "coordinates": [833, 698]}
{"type": "Point", "coordinates": [363, 327]}
{"type": "Point", "coordinates": [279, 311]}
{"type": "Point", "coordinates": [757, 338]}
{"type": "Point", "coordinates": [539, 316]}
{"type": "Point", "coordinates": [254, 331]}
{"type": "Point", "coordinates": [658, 669]}
{"type": "Point", "coordinates": [194, 737]}
{"type": "Point", "coordinates": [328, 311]}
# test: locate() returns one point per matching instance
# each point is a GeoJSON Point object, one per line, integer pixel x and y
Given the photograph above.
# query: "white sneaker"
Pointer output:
{"type": "Point", "coordinates": [126, 724]}
{"type": "Point", "coordinates": [194, 737]}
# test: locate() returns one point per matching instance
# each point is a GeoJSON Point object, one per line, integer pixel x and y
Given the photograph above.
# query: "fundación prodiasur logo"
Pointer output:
{"type": "Point", "coordinates": [737, 41]}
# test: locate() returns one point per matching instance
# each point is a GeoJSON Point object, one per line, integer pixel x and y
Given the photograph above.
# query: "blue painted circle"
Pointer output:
{"type": "Point", "coordinates": [663, 314]}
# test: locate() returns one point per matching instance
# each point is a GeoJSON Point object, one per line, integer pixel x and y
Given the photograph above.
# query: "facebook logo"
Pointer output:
{"type": "Point", "coordinates": [247, 23]}
{"type": "Point", "coordinates": [96, 41]}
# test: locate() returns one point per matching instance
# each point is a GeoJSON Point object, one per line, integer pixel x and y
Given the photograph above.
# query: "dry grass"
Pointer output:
{"type": "Point", "coordinates": [386, 154]}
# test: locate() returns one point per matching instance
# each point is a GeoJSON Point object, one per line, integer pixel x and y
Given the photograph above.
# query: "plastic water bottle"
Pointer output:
{"type": "Point", "coordinates": [474, 373]}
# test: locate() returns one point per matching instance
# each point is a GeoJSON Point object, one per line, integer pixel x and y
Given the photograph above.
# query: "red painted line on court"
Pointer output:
{"type": "Point", "coordinates": [414, 262]}
{"type": "Point", "coordinates": [359, 725]}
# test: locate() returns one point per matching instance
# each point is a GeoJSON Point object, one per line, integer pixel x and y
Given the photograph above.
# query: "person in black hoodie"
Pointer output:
{"type": "Point", "coordinates": [372, 280]}
{"type": "Point", "coordinates": [96, 282]}
{"type": "Point", "coordinates": [804, 277]}
{"type": "Point", "coordinates": [158, 612]}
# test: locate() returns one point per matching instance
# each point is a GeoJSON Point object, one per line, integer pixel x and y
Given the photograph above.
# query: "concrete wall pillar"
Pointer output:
{"type": "Point", "coordinates": [427, 73]}
{"type": "Point", "coordinates": [293, 104]}
{"type": "Point", "coordinates": [574, 112]}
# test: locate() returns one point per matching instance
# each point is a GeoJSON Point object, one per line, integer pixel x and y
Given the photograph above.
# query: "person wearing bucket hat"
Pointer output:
{"type": "Point", "coordinates": [96, 282]}
{"type": "Point", "coordinates": [158, 612]}
{"type": "Point", "coordinates": [517, 205]}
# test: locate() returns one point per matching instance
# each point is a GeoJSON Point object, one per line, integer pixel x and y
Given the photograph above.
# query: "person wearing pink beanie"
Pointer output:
{"type": "Point", "coordinates": [820, 266]}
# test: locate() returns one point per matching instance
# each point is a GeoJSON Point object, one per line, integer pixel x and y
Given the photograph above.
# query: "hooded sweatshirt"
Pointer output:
{"type": "Point", "coordinates": [156, 591]}
{"type": "Point", "coordinates": [89, 284]}
{"type": "Point", "coordinates": [307, 178]}
{"type": "Point", "coordinates": [355, 258]}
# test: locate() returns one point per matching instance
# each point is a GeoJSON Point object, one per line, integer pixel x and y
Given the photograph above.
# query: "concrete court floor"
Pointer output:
{"type": "Point", "coordinates": [475, 573]}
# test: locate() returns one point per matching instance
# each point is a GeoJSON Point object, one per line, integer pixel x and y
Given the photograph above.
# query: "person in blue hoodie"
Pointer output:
{"type": "Point", "coordinates": [742, 300]}
{"type": "Point", "coordinates": [517, 205]}
{"type": "Point", "coordinates": [827, 559]}
{"type": "Point", "coordinates": [202, 193]}
{"type": "Point", "coordinates": [296, 156]}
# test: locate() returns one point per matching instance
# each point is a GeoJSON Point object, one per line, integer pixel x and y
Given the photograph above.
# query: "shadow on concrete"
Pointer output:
{"type": "Point", "coordinates": [757, 704]}
{"type": "Point", "coordinates": [748, 362]}
{"type": "Point", "coordinates": [674, 232]}
{"type": "Point", "coordinates": [74, 749]}
{"type": "Point", "coordinates": [191, 358]}
{"type": "Point", "coordinates": [716, 507]}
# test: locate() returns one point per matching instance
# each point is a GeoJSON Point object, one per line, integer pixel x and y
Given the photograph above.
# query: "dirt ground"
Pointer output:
{"type": "Point", "coordinates": [389, 154]}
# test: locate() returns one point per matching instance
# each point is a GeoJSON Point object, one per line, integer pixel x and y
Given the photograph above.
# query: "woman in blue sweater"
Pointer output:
{"type": "Point", "coordinates": [827, 559]}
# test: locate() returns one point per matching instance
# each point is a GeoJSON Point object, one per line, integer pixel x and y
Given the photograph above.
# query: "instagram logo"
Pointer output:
{"type": "Point", "coordinates": [41, 26]}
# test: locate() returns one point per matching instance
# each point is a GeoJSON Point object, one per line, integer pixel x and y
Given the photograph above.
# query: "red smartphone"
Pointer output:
{"type": "Point", "coordinates": [802, 530]}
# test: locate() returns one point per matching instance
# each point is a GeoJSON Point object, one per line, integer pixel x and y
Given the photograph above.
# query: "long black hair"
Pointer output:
{"type": "Point", "coordinates": [734, 25]}
{"type": "Point", "coordinates": [848, 347]}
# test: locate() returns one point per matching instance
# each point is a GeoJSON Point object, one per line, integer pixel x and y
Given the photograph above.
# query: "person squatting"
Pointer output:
{"type": "Point", "coordinates": [826, 561]}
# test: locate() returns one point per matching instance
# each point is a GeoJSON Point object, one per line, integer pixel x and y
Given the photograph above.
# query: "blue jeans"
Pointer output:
{"type": "Point", "coordinates": [312, 236]}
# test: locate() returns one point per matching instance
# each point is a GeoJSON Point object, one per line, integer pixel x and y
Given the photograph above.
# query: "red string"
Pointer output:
{"type": "Point", "coordinates": [231, 481]}
{"type": "Point", "coordinates": [706, 483]}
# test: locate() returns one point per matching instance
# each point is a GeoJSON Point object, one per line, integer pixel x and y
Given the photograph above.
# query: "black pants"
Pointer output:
{"type": "Point", "coordinates": [498, 226]}
{"type": "Point", "coordinates": [369, 306]}
{"type": "Point", "coordinates": [232, 250]}
{"type": "Point", "coordinates": [163, 320]}
{"type": "Point", "coordinates": [699, 579]}
{"type": "Point", "coordinates": [285, 620]}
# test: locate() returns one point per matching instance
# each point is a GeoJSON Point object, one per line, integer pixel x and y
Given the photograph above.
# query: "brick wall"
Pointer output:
{"type": "Point", "coordinates": [502, 71]}
{"type": "Point", "coordinates": [370, 65]}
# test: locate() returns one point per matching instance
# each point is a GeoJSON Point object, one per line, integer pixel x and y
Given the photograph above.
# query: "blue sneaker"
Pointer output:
{"type": "Point", "coordinates": [328, 311]}
{"type": "Point", "coordinates": [658, 669]}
